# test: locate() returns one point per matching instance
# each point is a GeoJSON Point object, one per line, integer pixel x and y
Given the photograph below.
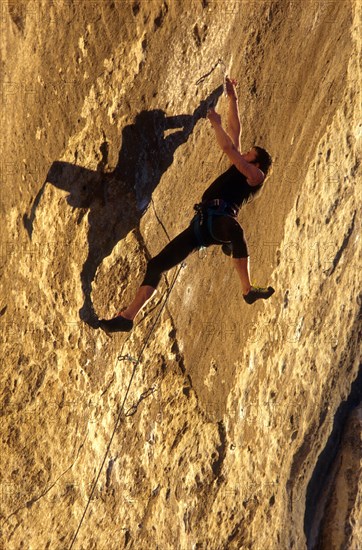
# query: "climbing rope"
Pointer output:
{"type": "Point", "coordinates": [223, 69]}
{"type": "Point", "coordinates": [119, 416]}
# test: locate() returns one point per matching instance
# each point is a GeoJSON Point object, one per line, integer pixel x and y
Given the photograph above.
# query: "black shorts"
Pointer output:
{"type": "Point", "coordinates": [225, 230]}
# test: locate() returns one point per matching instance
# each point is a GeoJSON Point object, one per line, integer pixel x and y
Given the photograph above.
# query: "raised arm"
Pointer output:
{"type": "Point", "coordinates": [253, 174]}
{"type": "Point", "coordinates": [234, 125]}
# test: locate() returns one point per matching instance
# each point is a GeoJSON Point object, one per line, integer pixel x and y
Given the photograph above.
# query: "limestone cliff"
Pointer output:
{"type": "Point", "coordinates": [203, 427]}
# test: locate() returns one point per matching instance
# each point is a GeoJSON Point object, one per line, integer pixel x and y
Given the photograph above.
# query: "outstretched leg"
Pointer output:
{"type": "Point", "coordinates": [143, 295]}
{"type": "Point", "coordinates": [173, 253]}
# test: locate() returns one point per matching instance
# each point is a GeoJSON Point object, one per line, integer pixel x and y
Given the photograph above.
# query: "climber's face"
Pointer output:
{"type": "Point", "coordinates": [250, 156]}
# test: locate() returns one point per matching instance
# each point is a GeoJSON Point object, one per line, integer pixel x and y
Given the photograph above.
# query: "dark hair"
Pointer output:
{"type": "Point", "coordinates": [263, 158]}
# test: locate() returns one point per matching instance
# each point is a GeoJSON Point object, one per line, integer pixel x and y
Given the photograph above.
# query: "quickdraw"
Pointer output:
{"type": "Point", "coordinates": [223, 69]}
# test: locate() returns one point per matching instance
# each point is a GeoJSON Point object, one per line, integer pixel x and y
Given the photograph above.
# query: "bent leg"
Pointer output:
{"type": "Point", "coordinates": [242, 267]}
{"type": "Point", "coordinates": [227, 230]}
{"type": "Point", "coordinates": [230, 232]}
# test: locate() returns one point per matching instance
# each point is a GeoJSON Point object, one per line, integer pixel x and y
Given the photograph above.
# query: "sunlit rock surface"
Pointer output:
{"type": "Point", "coordinates": [202, 428]}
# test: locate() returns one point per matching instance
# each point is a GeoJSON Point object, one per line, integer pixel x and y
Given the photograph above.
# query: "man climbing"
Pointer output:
{"type": "Point", "coordinates": [215, 221]}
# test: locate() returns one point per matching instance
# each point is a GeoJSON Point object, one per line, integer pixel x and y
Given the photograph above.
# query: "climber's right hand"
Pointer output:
{"type": "Point", "coordinates": [231, 87]}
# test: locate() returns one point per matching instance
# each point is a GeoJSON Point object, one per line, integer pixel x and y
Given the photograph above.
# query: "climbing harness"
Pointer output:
{"type": "Point", "coordinates": [121, 409]}
{"type": "Point", "coordinates": [209, 209]}
{"type": "Point", "coordinates": [224, 72]}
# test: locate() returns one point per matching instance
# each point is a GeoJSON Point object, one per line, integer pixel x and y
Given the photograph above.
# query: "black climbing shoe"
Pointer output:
{"type": "Point", "coordinates": [118, 324]}
{"type": "Point", "coordinates": [256, 293]}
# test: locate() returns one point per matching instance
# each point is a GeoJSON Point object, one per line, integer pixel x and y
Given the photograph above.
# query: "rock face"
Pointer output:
{"type": "Point", "coordinates": [203, 426]}
{"type": "Point", "coordinates": [339, 513]}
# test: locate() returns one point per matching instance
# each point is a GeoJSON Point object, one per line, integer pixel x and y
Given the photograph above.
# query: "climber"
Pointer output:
{"type": "Point", "coordinates": [215, 220]}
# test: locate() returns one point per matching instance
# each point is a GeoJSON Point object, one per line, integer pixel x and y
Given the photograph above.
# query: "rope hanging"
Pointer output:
{"type": "Point", "coordinates": [119, 416]}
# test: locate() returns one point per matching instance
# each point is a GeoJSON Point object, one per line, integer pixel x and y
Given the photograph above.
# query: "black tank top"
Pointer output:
{"type": "Point", "coordinates": [231, 186]}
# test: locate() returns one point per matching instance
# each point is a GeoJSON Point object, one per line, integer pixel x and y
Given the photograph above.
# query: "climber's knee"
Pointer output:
{"type": "Point", "coordinates": [237, 248]}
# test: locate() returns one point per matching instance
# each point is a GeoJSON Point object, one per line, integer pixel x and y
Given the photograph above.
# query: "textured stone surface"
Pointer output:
{"type": "Point", "coordinates": [222, 420]}
{"type": "Point", "coordinates": [341, 517]}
